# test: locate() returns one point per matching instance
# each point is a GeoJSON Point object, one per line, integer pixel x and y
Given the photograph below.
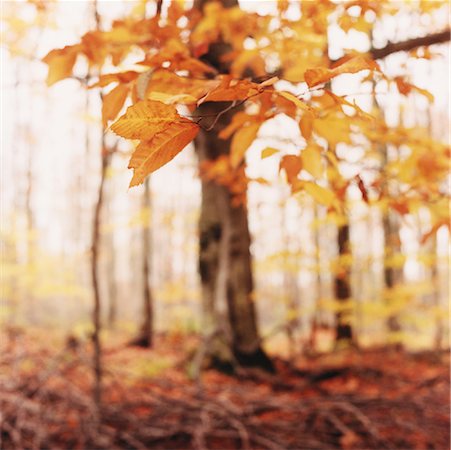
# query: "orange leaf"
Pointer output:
{"type": "Point", "coordinates": [145, 119]}
{"type": "Point", "coordinates": [121, 77]}
{"type": "Point", "coordinates": [320, 75]}
{"type": "Point", "coordinates": [292, 165]}
{"type": "Point", "coordinates": [113, 102]}
{"type": "Point", "coordinates": [241, 141]}
{"type": "Point", "coordinates": [306, 125]}
{"type": "Point", "coordinates": [238, 120]}
{"type": "Point", "coordinates": [151, 155]}
{"type": "Point", "coordinates": [61, 62]}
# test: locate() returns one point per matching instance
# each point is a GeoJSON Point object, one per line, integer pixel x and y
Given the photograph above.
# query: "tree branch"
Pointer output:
{"type": "Point", "coordinates": [411, 44]}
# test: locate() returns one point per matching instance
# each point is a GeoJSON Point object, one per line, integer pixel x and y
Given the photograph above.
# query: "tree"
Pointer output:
{"type": "Point", "coordinates": [213, 76]}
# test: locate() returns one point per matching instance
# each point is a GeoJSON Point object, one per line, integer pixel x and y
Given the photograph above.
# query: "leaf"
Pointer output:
{"type": "Point", "coordinates": [320, 75]}
{"type": "Point", "coordinates": [238, 120]}
{"type": "Point", "coordinates": [292, 164]}
{"type": "Point", "coordinates": [306, 125]}
{"type": "Point", "coordinates": [268, 151]}
{"type": "Point", "coordinates": [145, 119]}
{"type": "Point", "coordinates": [334, 129]}
{"type": "Point", "coordinates": [153, 154]}
{"type": "Point", "coordinates": [241, 141]}
{"type": "Point", "coordinates": [292, 98]}
{"type": "Point", "coordinates": [320, 194]}
{"type": "Point", "coordinates": [121, 77]}
{"type": "Point", "coordinates": [61, 62]}
{"type": "Point", "coordinates": [312, 161]}
{"type": "Point", "coordinates": [171, 99]}
{"type": "Point", "coordinates": [113, 102]}
{"type": "Point", "coordinates": [231, 89]}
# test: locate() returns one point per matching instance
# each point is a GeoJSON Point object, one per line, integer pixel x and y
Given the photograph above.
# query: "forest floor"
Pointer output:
{"type": "Point", "coordinates": [367, 399]}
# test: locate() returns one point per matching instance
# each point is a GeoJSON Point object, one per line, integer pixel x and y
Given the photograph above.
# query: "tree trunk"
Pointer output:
{"type": "Point", "coordinates": [224, 256]}
{"type": "Point", "coordinates": [95, 248]}
{"type": "Point", "coordinates": [225, 261]}
{"type": "Point", "coordinates": [145, 336]}
{"type": "Point", "coordinates": [392, 275]}
{"type": "Point", "coordinates": [343, 327]}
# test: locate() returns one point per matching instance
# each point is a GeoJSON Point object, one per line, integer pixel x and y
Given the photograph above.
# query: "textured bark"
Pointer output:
{"type": "Point", "coordinates": [224, 257]}
{"type": "Point", "coordinates": [343, 327]}
{"type": "Point", "coordinates": [225, 264]}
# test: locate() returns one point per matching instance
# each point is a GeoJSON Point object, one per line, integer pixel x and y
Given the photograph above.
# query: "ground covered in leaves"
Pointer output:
{"type": "Point", "coordinates": [367, 399]}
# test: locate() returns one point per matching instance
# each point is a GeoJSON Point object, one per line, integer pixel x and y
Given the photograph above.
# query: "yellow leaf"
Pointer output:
{"type": "Point", "coordinates": [241, 141]}
{"type": "Point", "coordinates": [61, 62]}
{"type": "Point", "coordinates": [268, 151]}
{"type": "Point", "coordinates": [334, 129]}
{"type": "Point", "coordinates": [145, 119]}
{"type": "Point", "coordinates": [311, 160]}
{"type": "Point", "coordinates": [151, 155]}
{"type": "Point", "coordinates": [113, 102]}
{"type": "Point", "coordinates": [292, 98]}
{"type": "Point", "coordinates": [352, 65]}
{"type": "Point", "coordinates": [170, 99]}
{"type": "Point", "coordinates": [320, 194]}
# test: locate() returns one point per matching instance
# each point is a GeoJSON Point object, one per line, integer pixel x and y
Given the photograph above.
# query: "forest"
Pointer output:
{"type": "Point", "coordinates": [225, 224]}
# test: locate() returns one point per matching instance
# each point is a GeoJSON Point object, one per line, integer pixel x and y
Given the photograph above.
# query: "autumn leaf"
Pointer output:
{"type": "Point", "coordinates": [298, 103]}
{"type": "Point", "coordinates": [171, 99]}
{"type": "Point", "coordinates": [268, 151]}
{"type": "Point", "coordinates": [152, 154]}
{"type": "Point", "coordinates": [320, 194]}
{"type": "Point", "coordinates": [61, 62]}
{"type": "Point", "coordinates": [145, 119]}
{"type": "Point", "coordinates": [292, 164]}
{"type": "Point", "coordinates": [231, 89]}
{"type": "Point", "coordinates": [113, 102]}
{"type": "Point", "coordinates": [241, 141]}
{"type": "Point", "coordinates": [121, 77]}
{"type": "Point", "coordinates": [311, 160]}
{"type": "Point", "coordinates": [306, 125]}
{"type": "Point", "coordinates": [320, 75]}
{"type": "Point", "coordinates": [238, 120]}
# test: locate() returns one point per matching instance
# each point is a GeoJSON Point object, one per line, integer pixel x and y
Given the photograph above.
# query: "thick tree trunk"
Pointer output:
{"type": "Point", "coordinates": [225, 262]}
{"type": "Point", "coordinates": [343, 327]}
{"type": "Point", "coordinates": [224, 257]}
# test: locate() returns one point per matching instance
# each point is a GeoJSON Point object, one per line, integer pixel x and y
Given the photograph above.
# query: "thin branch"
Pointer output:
{"type": "Point", "coordinates": [411, 44]}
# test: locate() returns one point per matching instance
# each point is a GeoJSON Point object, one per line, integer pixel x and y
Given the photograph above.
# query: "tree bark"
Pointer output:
{"type": "Point", "coordinates": [225, 264]}
{"type": "Point", "coordinates": [145, 336]}
{"type": "Point", "coordinates": [411, 44]}
{"type": "Point", "coordinates": [343, 327]}
{"type": "Point", "coordinates": [95, 248]}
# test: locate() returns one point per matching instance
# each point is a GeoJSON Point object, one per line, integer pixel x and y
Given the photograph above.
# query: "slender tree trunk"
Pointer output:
{"type": "Point", "coordinates": [392, 275]}
{"type": "Point", "coordinates": [95, 250]}
{"type": "Point", "coordinates": [343, 327]}
{"type": "Point", "coordinates": [145, 337]}
{"type": "Point", "coordinates": [111, 274]}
